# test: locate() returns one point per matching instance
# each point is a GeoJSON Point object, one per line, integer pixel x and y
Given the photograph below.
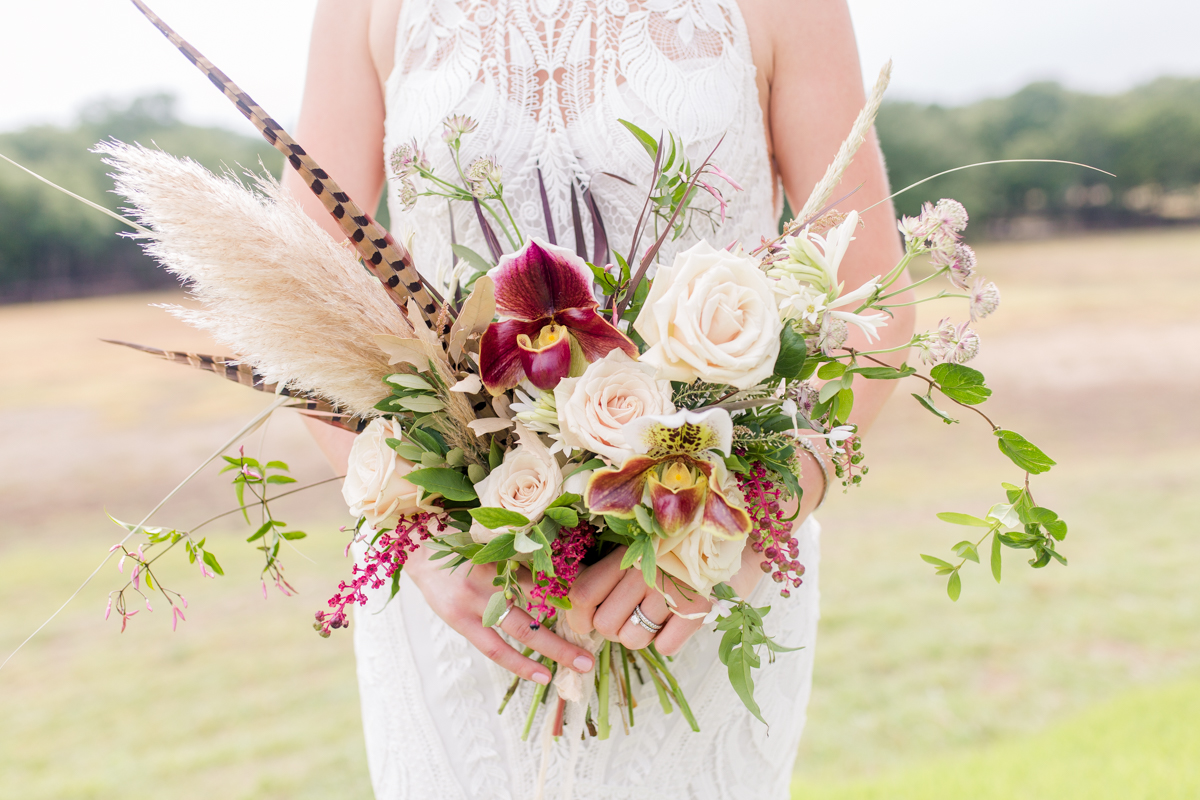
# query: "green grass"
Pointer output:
{"type": "Point", "coordinates": [1075, 683]}
{"type": "Point", "coordinates": [1144, 745]}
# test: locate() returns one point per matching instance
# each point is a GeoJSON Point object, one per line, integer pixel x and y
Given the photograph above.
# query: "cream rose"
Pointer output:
{"type": "Point", "coordinates": [712, 316]}
{"type": "Point", "coordinates": [612, 392]}
{"type": "Point", "coordinates": [375, 486]}
{"type": "Point", "coordinates": [527, 482]}
{"type": "Point", "coordinates": [698, 557]}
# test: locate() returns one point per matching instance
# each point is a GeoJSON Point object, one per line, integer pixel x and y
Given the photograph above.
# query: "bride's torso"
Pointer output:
{"type": "Point", "coordinates": [548, 82]}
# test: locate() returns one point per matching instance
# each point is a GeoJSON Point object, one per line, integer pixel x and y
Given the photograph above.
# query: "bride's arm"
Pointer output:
{"type": "Point", "coordinates": [341, 125]}
{"type": "Point", "coordinates": [811, 91]}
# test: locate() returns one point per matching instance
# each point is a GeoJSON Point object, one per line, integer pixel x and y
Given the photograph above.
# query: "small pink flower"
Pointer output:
{"type": "Point", "coordinates": [108, 609]}
{"type": "Point", "coordinates": [985, 299]}
{"type": "Point", "coordinates": [125, 619]}
{"type": "Point", "coordinates": [205, 571]}
{"type": "Point", "coordinates": [121, 565]}
{"type": "Point", "coordinates": [136, 576]}
{"type": "Point", "coordinates": [176, 615]}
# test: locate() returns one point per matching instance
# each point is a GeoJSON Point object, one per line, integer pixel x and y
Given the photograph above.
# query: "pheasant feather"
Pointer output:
{"type": "Point", "coordinates": [386, 259]}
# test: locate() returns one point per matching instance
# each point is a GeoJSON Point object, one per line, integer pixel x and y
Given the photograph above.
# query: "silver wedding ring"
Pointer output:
{"type": "Point", "coordinates": [507, 611]}
{"type": "Point", "coordinates": [639, 618]}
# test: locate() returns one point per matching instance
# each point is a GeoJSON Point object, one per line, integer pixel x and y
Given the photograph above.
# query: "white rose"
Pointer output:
{"type": "Point", "coordinates": [712, 316]}
{"type": "Point", "coordinates": [611, 393]}
{"type": "Point", "coordinates": [375, 486]}
{"type": "Point", "coordinates": [527, 482]}
{"type": "Point", "coordinates": [697, 557]}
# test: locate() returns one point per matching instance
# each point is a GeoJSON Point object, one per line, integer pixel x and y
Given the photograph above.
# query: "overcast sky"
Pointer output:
{"type": "Point", "coordinates": [58, 54]}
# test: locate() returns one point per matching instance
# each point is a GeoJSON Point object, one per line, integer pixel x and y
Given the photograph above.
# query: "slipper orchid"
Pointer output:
{"type": "Point", "coordinates": [545, 303]}
{"type": "Point", "coordinates": [672, 464]}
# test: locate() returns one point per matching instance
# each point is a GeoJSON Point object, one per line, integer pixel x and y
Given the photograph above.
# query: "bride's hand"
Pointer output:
{"type": "Point", "coordinates": [460, 597]}
{"type": "Point", "coordinates": [604, 596]}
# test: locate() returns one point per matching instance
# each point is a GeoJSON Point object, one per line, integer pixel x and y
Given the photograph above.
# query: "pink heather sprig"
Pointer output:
{"type": "Point", "coordinates": [770, 535]}
{"type": "Point", "coordinates": [384, 558]}
{"type": "Point", "coordinates": [567, 552]}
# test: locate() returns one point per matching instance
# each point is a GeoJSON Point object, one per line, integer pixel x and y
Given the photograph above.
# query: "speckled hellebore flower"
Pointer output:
{"type": "Point", "coordinates": [672, 463]}
{"type": "Point", "coordinates": [544, 301]}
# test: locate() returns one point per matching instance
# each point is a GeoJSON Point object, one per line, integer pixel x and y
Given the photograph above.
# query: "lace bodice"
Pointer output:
{"type": "Point", "coordinates": [548, 80]}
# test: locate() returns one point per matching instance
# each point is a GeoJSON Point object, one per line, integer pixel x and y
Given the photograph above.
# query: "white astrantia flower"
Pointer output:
{"type": "Point", "coordinates": [985, 299]}
{"type": "Point", "coordinates": [833, 334]}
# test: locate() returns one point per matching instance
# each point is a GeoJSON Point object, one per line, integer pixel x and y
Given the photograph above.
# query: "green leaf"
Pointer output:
{"type": "Point", "coordinates": [1057, 529]}
{"type": "Point", "coordinates": [495, 607]}
{"type": "Point", "coordinates": [884, 373]}
{"type": "Point", "coordinates": [542, 560]}
{"type": "Point", "coordinates": [496, 518]}
{"type": "Point", "coordinates": [495, 454]}
{"type": "Point", "coordinates": [647, 141]}
{"type": "Point", "coordinates": [449, 483]}
{"type": "Point", "coordinates": [644, 518]}
{"type": "Point", "coordinates": [831, 370]}
{"type": "Point", "coordinates": [792, 353]}
{"type": "Point", "coordinates": [965, 549]}
{"type": "Point", "coordinates": [925, 401]}
{"type": "Point", "coordinates": [1023, 453]}
{"type": "Point", "coordinates": [996, 556]}
{"type": "Point", "coordinates": [742, 680]}
{"type": "Point", "coordinates": [422, 404]}
{"type": "Point", "coordinates": [291, 536]}
{"type": "Point", "coordinates": [468, 255]}
{"type": "Point", "coordinates": [261, 532]}
{"type": "Point", "coordinates": [937, 562]}
{"type": "Point", "coordinates": [523, 543]}
{"type": "Point", "coordinates": [476, 473]}
{"type": "Point", "coordinates": [211, 560]}
{"type": "Point", "coordinates": [280, 479]}
{"type": "Point", "coordinates": [737, 464]}
{"type": "Point", "coordinates": [954, 586]}
{"type": "Point", "coordinates": [595, 463]}
{"type": "Point", "coordinates": [498, 549]}
{"type": "Point", "coordinates": [566, 499]}
{"type": "Point", "coordinates": [829, 390]}
{"type": "Point", "coordinates": [845, 403]}
{"type": "Point", "coordinates": [277, 465]}
{"type": "Point", "coordinates": [567, 517]}
{"type": "Point", "coordinates": [961, 383]}
{"type": "Point", "coordinates": [402, 381]}
{"type": "Point", "coordinates": [955, 518]}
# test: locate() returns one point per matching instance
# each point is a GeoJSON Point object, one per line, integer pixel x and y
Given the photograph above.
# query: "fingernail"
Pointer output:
{"type": "Point", "coordinates": [542, 677]}
{"type": "Point", "coordinates": [583, 664]}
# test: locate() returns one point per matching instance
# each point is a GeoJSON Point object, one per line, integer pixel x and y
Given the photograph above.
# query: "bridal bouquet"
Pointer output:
{"type": "Point", "coordinates": [552, 407]}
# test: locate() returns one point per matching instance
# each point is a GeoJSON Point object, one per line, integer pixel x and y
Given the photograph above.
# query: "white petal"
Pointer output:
{"type": "Point", "coordinates": [482, 427]}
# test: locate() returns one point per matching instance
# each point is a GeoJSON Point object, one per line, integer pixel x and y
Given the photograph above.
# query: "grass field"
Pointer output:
{"type": "Point", "coordinates": [1081, 682]}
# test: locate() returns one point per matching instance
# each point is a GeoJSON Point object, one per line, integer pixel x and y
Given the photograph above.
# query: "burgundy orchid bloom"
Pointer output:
{"type": "Point", "coordinates": [544, 301]}
{"type": "Point", "coordinates": [684, 481]}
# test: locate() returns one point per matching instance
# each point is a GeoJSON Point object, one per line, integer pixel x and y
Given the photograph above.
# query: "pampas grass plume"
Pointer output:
{"type": "Point", "coordinates": [275, 288]}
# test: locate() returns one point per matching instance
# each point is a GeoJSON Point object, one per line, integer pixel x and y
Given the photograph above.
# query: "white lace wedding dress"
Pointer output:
{"type": "Point", "coordinates": [548, 80]}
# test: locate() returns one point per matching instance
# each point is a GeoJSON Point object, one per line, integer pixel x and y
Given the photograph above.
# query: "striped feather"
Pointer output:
{"type": "Point", "coordinates": [386, 259]}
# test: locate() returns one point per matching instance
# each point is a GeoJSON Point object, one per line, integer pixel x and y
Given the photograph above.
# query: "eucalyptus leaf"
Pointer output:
{"type": "Point", "coordinates": [404, 381]}
{"type": "Point", "coordinates": [422, 404]}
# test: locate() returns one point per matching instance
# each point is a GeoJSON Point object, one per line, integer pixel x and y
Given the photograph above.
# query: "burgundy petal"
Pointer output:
{"type": "Point", "coordinates": [548, 365]}
{"type": "Point", "coordinates": [675, 508]}
{"type": "Point", "coordinates": [539, 279]}
{"type": "Point", "coordinates": [499, 356]}
{"type": "Point", "coordinates": [616, 492]}
{"type": "Point", "coordinates": [596, 335]}
{"type": "Point", "coordinates": [722, 519]}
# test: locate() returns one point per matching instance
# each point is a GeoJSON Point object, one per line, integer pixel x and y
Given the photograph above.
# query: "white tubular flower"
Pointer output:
{"type": "Point", "coordinates": [867, 323]}
{"type": "Point", "coordinates": [816, 259]}
{"type": "Point", "coordinates": [538, 414]}
{"type": "Point", "coordinates": [799, 301]}
{"type": "Point", "coordinates": [985, 299]}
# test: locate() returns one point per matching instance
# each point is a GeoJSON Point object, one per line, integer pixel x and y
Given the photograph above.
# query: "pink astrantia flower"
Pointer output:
{"type": "Point", "coordinates": [544, 301]}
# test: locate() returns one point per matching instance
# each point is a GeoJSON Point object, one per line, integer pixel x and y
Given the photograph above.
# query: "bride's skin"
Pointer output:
{"type": "Point", "coordinates": [810, 88]}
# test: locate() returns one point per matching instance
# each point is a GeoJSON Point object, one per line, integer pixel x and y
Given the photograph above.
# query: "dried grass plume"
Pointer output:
{"type": "Point", "coordinates": [276, 288]}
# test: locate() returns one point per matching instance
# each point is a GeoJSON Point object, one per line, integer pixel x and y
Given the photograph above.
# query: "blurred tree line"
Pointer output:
{"type": "Point", "coordinates": [1148, 137]}
{"type": "Point", "coordinates": [52, 246]}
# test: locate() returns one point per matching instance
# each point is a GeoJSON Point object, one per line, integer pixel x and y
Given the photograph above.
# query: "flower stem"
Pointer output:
{"type": "Point", "coordinates": [602, 692]}
{"type": "Point", "coordinates": [538, 694]}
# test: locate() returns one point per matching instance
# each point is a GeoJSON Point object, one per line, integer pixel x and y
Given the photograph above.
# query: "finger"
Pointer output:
{"type": "Point", "coordinates": [519, 625]}
{"type": "Point", "coordinates": [616, 609]}
{"type": "Point", "coordinates": [591, 588]}
{"type": "Point", "coordinates": [675, 633]}
{"type": "Point", "coordinates": [488, 642]}
{"type": "Point", "coordinates": [654, 607]}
